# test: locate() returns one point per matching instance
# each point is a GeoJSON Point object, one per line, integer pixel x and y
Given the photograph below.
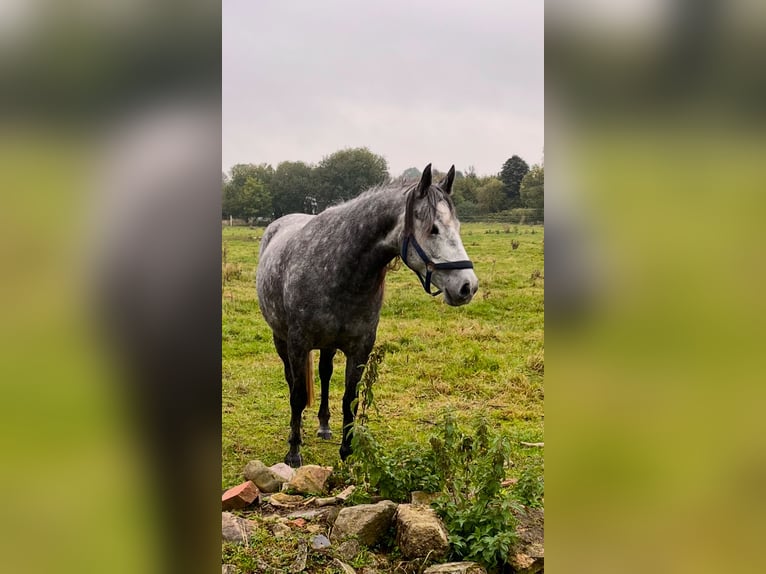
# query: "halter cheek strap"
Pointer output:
{"type": "Point", "coordinates": [430, 265]}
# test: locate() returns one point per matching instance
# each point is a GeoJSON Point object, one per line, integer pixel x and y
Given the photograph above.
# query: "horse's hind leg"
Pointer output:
{"type": "Point", "coordinates": [299, 357]}
{"type": "Point", "coordinates": [281, 347]}
{"type": "Point", "coordinates": [325, 373]}
{"type": "Point", "coordinates": [293, 457]}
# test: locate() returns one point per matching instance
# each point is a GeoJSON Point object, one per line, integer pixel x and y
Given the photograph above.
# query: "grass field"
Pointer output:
{"type": "Point", "coordinates": [486, 357]}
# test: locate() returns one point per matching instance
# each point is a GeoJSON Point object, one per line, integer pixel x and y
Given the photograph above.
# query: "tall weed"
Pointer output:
{"type": "Point", "coordinates": [466, 468]}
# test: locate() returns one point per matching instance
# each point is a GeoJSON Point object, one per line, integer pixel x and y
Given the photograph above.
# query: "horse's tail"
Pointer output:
{"type": "Point", "coordinates": [309, 380]}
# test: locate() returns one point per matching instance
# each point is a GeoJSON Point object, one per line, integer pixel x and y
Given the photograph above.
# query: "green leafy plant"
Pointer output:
{"type": "Point", "coordinates": [474, 507]}
{"type": "Point", "coordinates": [375, 469]}
{"type": "Point", "coordinates": [467, 468]}
{"type": "Point", "coordinates": [530, 489]}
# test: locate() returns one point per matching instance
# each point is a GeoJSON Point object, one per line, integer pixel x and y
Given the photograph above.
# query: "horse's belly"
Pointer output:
{"type": "Point", "coordinates": [336, 326]}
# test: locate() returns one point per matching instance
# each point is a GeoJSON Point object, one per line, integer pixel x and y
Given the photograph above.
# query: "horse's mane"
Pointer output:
{"type": "Point", "coordinates": [425, 210]}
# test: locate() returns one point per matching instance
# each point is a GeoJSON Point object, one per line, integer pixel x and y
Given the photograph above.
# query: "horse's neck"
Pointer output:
{"type": "Point", "coordinates": [372, 228]}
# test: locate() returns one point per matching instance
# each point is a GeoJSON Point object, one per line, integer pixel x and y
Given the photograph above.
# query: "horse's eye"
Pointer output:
{"type": "Point", "coordinates": [434, 230]}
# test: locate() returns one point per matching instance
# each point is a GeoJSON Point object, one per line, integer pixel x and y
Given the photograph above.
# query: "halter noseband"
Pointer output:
{"type": "Point", "coordinates": [430, 265]}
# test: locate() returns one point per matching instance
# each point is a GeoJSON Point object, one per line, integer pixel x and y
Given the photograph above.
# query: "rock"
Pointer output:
{"type": "Point", "coordinates": [368, 522]}
{"type": "Point", "coordinates": [299, 564]}
{"type": "Point", "coordinates": [235, 529]}
{"type": "Point", "coordinates": [332, 514]}
{"type": "Point", "coordinates": [348, 491]}
{"type": "Point", "coordinates": [345, 567]}
{"type": "Point", "coordinates": [527, 555]}
{"type": "Point", "coordinates": [420, 532]}
{"type": "Point", "coordinates": [314, 528]}
{"type": "Point", "coordinates": [283, 470]}
{"type": "Point", "coordinates": [349, 549]}
{"type": "Point", "coordinates": [229, 569]}
{"type": "Point", "coordinates": [239, 496]}
{"type": "Point", "coordinates": [311, 514]}
{"type": "Point", "coordinates": [310, 479]}
{"type": "Point", "coordinates": [523, 563]}
{"type": "Point", "coordinates": [264, 478]}
{"type": "Point", "coordinates": [320, 542]}
{"type": "Point", "coordinates": [282, 499]}
{"type": "Point", "coordinates": [456, 568]}
{"type": "Point", "coordinates": [280, 530]}
{"type": "Point", "coordinates": [422, 497]}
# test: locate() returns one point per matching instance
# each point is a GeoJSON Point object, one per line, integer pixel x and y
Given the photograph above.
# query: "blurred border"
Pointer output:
{"type": "Point", "coordinates": [655, 142]}
{"type": "Point", "coordinates": [110, 243]}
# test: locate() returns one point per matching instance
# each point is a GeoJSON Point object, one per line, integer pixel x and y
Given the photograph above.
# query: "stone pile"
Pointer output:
{"type": "Point", "coordinates": [297, 501]}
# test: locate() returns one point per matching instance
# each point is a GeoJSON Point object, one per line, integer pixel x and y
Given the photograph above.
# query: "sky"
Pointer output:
{"type": "Point", "coordinates": [417, 82]}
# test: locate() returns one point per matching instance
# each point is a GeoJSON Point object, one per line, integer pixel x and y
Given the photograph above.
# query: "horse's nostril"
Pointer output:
{"type": "Point", "coordinates": [465, 290]}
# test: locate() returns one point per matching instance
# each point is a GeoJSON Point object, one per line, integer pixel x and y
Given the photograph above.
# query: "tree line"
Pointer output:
{"type": "Point", "coordinates": [253, 192]}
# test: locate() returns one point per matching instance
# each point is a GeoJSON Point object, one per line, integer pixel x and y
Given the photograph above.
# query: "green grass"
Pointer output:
{"type": "Point", "coordinates": [486, 357]}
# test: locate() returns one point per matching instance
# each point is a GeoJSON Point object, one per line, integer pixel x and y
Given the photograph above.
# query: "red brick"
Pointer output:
{"type": "Point", "coordinates": [240, 496]}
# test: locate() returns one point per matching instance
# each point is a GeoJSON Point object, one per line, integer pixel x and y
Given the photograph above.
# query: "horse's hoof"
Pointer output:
{"type": "Point", "coordinates": [324, 433]}
{"type": "Point", "coordinates": [345, 451]}
{"type": "Point", "coordinates": [293, 459]}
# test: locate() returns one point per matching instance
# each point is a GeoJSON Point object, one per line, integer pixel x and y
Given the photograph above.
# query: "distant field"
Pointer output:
{"type": "Point", "coordinates": [486, 357]}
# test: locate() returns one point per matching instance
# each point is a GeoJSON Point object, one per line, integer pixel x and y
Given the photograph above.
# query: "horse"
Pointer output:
{"type": "Point", "coordinates": [320, 282]}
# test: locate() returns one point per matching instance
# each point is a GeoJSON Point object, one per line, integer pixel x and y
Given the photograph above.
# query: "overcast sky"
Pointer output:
{"type": "Point", "coordinates": [414, 81]}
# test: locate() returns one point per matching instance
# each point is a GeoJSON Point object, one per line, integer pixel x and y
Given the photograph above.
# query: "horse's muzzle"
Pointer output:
{"type": "Point", "coordinates": [461, 293]}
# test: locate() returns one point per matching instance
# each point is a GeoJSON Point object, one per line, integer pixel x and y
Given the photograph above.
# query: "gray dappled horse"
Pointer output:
{"type": "Point", "coordinates": [320, 283]}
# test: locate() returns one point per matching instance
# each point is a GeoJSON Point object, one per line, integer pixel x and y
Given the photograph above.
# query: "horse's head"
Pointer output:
{"type": "Point", "coordinates": [431, 244]}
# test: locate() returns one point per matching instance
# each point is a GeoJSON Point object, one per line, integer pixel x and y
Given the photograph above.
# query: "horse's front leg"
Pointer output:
{"type": "Point", "coordinates": [355, 363]}
{"type": "Point", "coordinates": [298, 398]}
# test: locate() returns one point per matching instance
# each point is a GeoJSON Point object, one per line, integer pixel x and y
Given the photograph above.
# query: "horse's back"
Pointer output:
{"type": "Point", "coordinates": [283, 228]}
{"type": "Point", "coordinates": [269, 278]}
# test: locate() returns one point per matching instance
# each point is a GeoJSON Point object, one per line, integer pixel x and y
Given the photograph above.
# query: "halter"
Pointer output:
{"type": "Point", "coordinates": [430, 265]}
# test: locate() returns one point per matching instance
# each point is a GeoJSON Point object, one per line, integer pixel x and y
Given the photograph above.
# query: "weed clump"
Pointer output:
{"type": "Point", "coordinates": [467, 468]}
{"type": "Point", "coordinates": [475, 508]}
{"type": "Point", "coordinates": [530, 489]}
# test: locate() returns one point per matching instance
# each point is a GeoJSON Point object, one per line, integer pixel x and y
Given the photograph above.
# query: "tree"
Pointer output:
{"type": "Point", "coordinates": [256, 200]}
{"type": "Point", "coordinates": [514, 170]}
{"type": "Point", "coordinates": [491, 196]}
{"type": "Point", "coordinates": [240, 173]}
{"type": "Point", "coordinates": [246, 191]}
{"type": "Point", "coordinates": [346, 173]}
{"type": "Point", "coordinates": [411, 174]}
{"type": "Point", "coordinates": [225, 197]}
{"type": "Point", "coordinates": [246, 199]}
{"type": "Point", "coordinates": [533, 188]}
{"type": "Point", "coordinates": [464, 189]}
{"type": "Point", "coordinates": [292, 186]}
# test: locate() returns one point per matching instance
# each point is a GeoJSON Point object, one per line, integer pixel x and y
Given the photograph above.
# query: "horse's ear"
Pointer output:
{"type": "Point", "coordinates": [446, 183]}
{"type": "Point", "coordinates": [425, 181]}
